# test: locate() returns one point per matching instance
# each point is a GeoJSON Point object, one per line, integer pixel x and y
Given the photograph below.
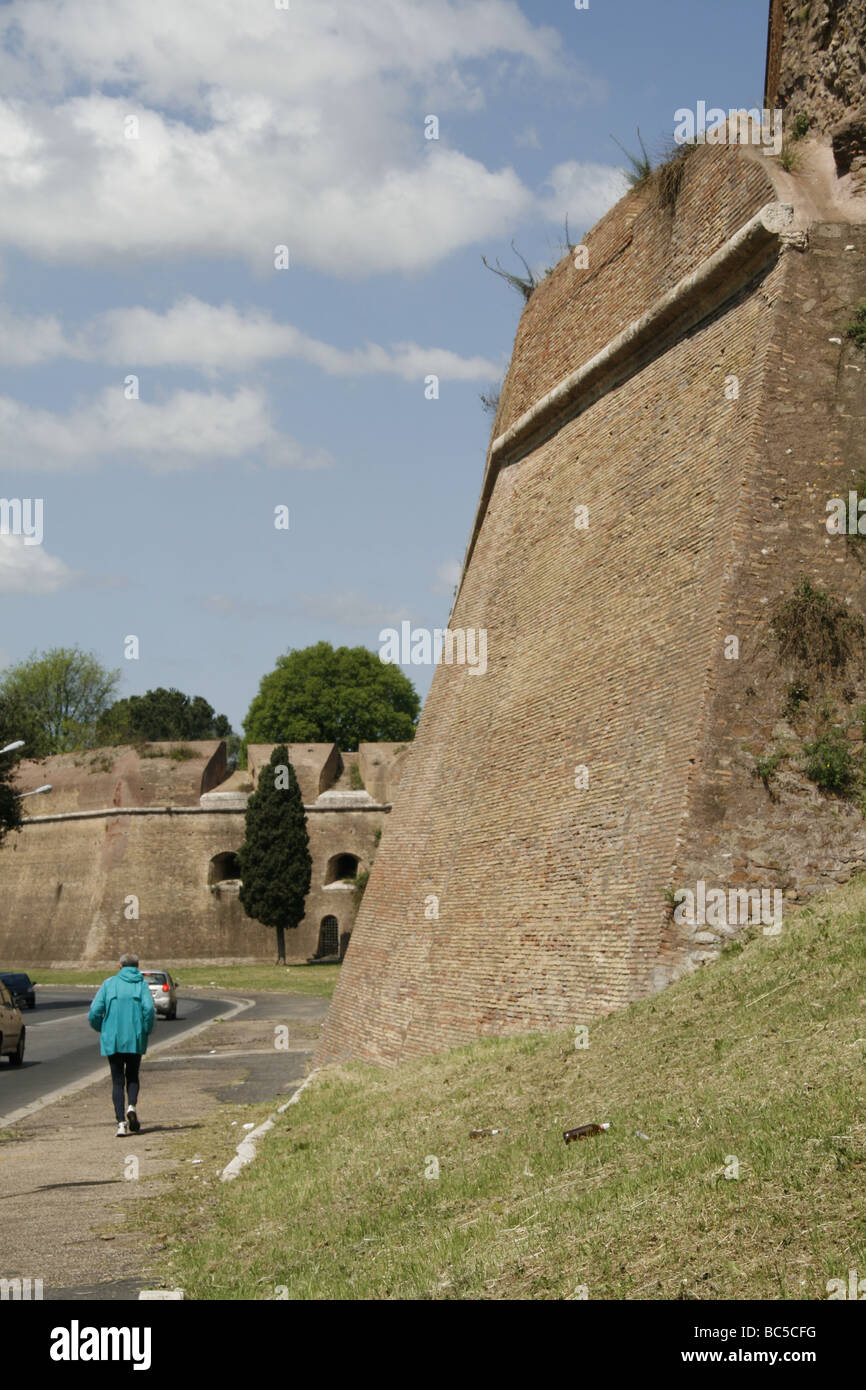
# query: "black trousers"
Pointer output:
{"type": "Point", "coordinates": [124, 1074]}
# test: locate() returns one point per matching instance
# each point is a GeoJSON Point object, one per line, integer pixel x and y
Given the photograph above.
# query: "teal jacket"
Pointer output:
{"type": "Point", "coordinates": [122, 1013]}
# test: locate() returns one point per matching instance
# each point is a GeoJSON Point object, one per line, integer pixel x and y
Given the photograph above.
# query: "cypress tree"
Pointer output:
{"type": "Point", "coordinates": [275, 860]}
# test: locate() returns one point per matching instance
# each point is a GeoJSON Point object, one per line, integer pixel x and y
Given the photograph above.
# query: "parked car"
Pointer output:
{"type": "Point", "coordinates": [163, 991]}
{"type": "Point", "coordinates": [12, 1030]}
{"type": "Point", "coordinates": [20, 987]}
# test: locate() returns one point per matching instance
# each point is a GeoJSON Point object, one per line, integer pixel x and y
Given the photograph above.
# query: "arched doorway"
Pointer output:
{"type": "Point", "coordinates": [329, 937]}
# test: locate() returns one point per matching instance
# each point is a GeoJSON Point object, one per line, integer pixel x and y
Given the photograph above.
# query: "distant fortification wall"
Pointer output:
{"type": "Point", "coordinates": [128, 851]}
{"type": "Point", "coordinates": [607, 756]}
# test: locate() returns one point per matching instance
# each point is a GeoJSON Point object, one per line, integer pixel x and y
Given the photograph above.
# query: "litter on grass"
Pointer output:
{"type": "Point", "coordinates": [583, 1132]}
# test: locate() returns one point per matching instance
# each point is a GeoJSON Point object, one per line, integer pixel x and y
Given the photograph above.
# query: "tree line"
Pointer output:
{"type": "Point", "coordinates": [64, 700]}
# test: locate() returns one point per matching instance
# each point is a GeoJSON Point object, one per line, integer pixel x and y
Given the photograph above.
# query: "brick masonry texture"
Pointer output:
{"type": "Point", "coordinates": [606, 646]}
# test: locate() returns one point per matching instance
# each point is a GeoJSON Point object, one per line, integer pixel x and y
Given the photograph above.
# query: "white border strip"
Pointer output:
{"type": "Point", "coordinates": [246, 1149]}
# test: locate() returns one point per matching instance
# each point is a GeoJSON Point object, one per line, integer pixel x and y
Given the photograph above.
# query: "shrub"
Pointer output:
{"type": "Point", "coordinates": [181, 754]}
{"type": "Point", "coordinates": [800, 126]}
{"type": "Point", "coordinates": [356, 781]}
{"type": "Point", "coordinates": [815, 630]}
{"type": "Point", "coordinates": [798, 695]}
{"type": "Point", "coordinates": [829, 763]}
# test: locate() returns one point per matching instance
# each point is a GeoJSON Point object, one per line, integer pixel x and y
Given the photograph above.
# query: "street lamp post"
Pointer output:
{"type": "Point", "coordinates": [11, 748]}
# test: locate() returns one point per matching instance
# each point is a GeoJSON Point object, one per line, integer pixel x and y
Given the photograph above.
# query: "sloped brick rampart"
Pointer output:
{"type": "Point", "coordinates": [606, 651]}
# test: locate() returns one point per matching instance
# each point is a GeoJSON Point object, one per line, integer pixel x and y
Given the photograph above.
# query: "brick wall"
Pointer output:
{"type": "Point", "coordinates": [635, 253]}
{"type": "Point", "coordinates": [605, 647]}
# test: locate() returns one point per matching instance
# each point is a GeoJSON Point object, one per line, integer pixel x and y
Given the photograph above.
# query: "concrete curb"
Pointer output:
{"type": "Point", "coordinates": [239, 1006]}
{"type": "Point", "coordinates": [246, 1149]}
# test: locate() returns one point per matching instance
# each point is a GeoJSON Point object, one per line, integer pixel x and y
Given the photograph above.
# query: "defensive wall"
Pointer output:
{"type": "Point", "coordinates": [688, 382]}
{"type": "Point", "coordinates": [133, 850]}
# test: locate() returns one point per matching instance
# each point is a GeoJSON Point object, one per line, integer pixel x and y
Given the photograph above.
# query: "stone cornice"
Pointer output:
{"type": "Point", "coordinates": [110, 811]}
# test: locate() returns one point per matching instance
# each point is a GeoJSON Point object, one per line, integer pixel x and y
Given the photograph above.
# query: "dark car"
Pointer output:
{"type": "Point", "coordinates": [20, 987]}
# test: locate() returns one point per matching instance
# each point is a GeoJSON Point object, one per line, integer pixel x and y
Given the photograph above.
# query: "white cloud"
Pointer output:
{"type": "Point", "coordinates": [179, 54]}
{"type": "Point", "coordinates": [583, 191]}
{"type": "Point", "coordinates": [29, 569]}
{"type": "Point", "coordinates": [26, 340]}
{"type": "Point", "coordinates": [210, 338]}
{"type": "Point", "coordinates": [188, 429]}
{"type": "Point", "coordinates": [259, 126]}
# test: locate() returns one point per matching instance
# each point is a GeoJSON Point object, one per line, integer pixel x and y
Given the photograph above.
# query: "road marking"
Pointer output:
{"type": "Point", "coordinates": [239, 1006]}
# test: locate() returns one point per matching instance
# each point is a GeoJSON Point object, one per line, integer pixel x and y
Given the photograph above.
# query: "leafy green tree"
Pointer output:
{"type": "Point", "coordinates": [162, 714]}
{"type": "Point", "coordinates": [55, 700]}
{"type": "Point", "coordinates": [10, 802]}
{"type": "Point", "coordinates": [347, 697]}
{"type": "Point", "coordinates": [275, 862]}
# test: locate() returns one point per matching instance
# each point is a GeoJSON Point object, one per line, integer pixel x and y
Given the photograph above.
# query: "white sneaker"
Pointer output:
{"type": "Point", "coordinates": [132, 1119]}
{"type": "Point", "coordinates": [122, 1130]}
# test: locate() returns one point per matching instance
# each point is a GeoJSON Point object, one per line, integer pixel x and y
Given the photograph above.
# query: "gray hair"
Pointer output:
{"type": "Point", "coordinates": [129, 959]}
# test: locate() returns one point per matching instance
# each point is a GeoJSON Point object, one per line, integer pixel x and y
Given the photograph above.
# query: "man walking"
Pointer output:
{"type": "Point", "coordinates": [122, 1014]}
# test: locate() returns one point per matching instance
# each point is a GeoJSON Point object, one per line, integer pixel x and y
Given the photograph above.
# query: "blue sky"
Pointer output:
{"type": "Point", "coordinates": [149, 250]}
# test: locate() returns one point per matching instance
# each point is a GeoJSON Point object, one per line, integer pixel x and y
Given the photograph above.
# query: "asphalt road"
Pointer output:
{"type": "Point", "coordinates": [62, 1048]}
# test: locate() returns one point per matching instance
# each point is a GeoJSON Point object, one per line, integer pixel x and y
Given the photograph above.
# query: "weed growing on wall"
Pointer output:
{"type": "Point", "coordinates": [856, 329]}
{"type": "Point", "coordinates": [816, 631]}
{"type": "Point", "coordinates": [668, 176]}
{"type": "Point", "coordinates": [765, 769]}
{"type": "Point", "coordinates": [796, 698]}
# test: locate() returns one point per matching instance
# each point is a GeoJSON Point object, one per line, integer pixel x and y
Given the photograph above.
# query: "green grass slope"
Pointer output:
{"type": "Point", "coordinates": [758, 1058]}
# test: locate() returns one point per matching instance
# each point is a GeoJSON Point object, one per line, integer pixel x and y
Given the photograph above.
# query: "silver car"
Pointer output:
{"type": "Point", "coordinates": [163, 992]}
{"type": "Point", "coordinates": [12, 1030]}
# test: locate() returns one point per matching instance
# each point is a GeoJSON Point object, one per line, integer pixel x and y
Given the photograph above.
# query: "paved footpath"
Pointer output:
{"type": "Point", "coordinates": [63, 1188]}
